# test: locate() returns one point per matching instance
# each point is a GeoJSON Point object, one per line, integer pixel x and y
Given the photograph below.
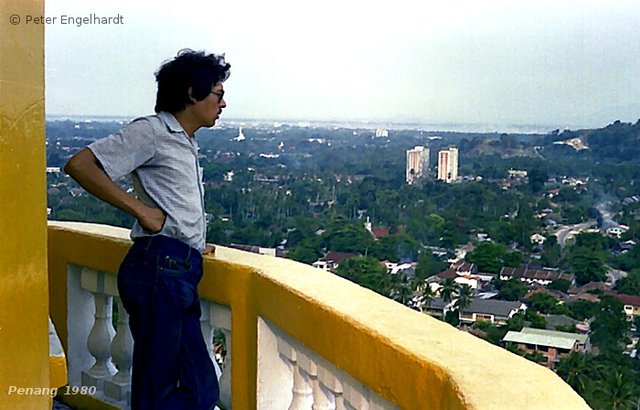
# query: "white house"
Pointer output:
{"type": "Point", "coordinates": [537, 239]}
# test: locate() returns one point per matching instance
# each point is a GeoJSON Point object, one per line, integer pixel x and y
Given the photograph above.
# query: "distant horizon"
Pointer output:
{"type": "Point", "coordinates": [361, 123]}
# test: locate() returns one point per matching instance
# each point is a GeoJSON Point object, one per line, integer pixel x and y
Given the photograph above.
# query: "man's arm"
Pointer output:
{"type": "Point", "coordinates": [85, 168]}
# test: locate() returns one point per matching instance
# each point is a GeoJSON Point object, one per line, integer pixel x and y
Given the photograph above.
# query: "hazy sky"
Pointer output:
{"type": "Point", "coordinates": [497, 63]}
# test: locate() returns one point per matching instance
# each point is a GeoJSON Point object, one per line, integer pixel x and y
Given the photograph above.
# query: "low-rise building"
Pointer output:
{"type": "Point", "coordinates": [491, 310]}
{"type": "Point", "coordinates": [617, 231]}
{"type": "Point", "coordinates": [462, 273]}
{"type": "Point", "coordinates": [530, 274]}
{"type": "Point", "coordinates": [517, 173]}
{"type": "Point", "coordinates": [552, 344]}
{"type": "Point", "coordinates": [258, 249]}
{"type": "Point", "coordinates": [332, 260]}
{"type": "Point", "coordinates": [481, 310]}
{"type": "Point", "coordinates": [377, 231]}
{"type": "Point", "coordinates": [553, 322]}
{"type": "Point", "coordinates": [537, 239]}
{"type": "Point", "coordinates": [631, 305]}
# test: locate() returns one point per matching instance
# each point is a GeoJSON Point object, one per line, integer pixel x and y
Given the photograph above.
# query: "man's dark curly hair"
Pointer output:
{"type": "Point", "coordinates": [189, 68]}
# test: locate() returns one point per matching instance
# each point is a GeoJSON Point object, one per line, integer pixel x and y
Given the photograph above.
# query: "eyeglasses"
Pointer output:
{"type": "Point", "coordinates": [219, 94]}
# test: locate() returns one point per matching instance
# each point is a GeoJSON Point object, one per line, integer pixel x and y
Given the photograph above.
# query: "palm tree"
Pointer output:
{"type": "Point", "coordinates": [403, 289]}
{"type": "Point", "coordinates": [449, 290]}
{"type": "Point", "coordinates": [465, 297]}
{"type": "Point", "coordinates": [426, 296]}
{"type": "Point", "coordinates": [573, 370]}
{"type": "Point", "coordinates": [616, 392]}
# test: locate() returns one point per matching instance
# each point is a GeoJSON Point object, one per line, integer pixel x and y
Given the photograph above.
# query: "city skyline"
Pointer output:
{"type": "Point", "coordinates": [490, 66]}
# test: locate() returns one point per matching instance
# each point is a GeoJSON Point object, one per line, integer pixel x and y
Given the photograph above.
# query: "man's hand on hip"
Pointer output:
{"type": "Point", "coordinates": [152, 219]}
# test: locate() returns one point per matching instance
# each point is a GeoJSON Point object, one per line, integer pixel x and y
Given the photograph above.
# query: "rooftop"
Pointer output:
{"type": "Point", "coordinates": [543, 337]}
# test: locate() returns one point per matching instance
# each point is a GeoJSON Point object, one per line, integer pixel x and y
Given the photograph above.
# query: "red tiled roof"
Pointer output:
{"type": "Point", "coordinates": [554, 294]}
{"type": "Point", "coordinates": [449, 273]}
{"type": "Point", "coordinates": [337, 257]}
{"type": "Point", "coordinates": [632, 300]}
{"type": "Point", "coordinates": [594, 286]}
{"type": "Point", "coordinates": [462, 266]}
{"type": "Point", "coordinates": [379, 231]}
{"type": "Point", "coordinates": [540, 274]}
{"type": "Point", "coordinates": [586, 296]}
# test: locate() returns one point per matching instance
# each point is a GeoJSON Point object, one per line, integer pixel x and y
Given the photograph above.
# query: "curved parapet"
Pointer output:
{"type": "Point", "coordinates": [307, 336]}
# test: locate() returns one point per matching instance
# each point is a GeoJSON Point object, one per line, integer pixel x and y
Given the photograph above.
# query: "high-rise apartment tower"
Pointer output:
{"type": "Point", "coordinates": [417, 164]}
{"type": "Point", "coordinates": [448, 164]}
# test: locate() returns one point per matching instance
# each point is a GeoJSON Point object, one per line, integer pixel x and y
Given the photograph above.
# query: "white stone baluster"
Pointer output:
{"type": "Point", "coordinates": [332, 383]}
{"type": "Point", "coordinates": [307, 380]}
{"type": "Point", "coordinates": [308, 363]}
{"type": "Point", "coordinates": [122, 353]}
{"type": "Point", "coordinates": [99, 341]}
{"type": "Point", "coordinates": [358, 396]}
{"type": "Point", "coordinates": [207, 328]}
{"type": "Point", "coordinates": [323, 398]}
{"type": "Point", "coordinates": [355, 395]}
{"type": "Point", "coordinates": [302, 392]}
{"type": "Point", "coordinates": [220, 318]}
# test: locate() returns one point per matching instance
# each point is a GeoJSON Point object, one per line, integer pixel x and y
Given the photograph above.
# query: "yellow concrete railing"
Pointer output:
{"type": "Point", "coordinates": [407, 358]}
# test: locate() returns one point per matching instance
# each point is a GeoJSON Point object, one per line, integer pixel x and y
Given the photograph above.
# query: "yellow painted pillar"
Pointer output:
{"type": "Point", "coordinates": [24, 342]}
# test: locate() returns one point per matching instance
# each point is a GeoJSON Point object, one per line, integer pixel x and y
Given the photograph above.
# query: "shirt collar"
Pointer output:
{"type": "Point", "coordinates": [171, 121]}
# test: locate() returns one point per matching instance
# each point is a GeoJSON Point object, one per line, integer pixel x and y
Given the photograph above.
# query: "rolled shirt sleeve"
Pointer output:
{"type": "Point", "coordinates": [127, 149]}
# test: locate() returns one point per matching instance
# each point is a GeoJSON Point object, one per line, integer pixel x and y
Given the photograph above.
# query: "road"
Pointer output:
{"type": "Point", "coordinates": [564, 232]}
{"type": "Point", "coordinates": [613, 275]}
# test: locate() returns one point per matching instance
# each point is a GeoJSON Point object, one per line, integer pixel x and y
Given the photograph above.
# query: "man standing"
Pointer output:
{"type": "Point", "coordinates": [158, 277]}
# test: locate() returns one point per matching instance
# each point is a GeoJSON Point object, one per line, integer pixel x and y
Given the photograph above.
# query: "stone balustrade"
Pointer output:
{"type": "Point", "coordinates": [292, 376]}
{"type": "Point", "coordinates": [296, 338]}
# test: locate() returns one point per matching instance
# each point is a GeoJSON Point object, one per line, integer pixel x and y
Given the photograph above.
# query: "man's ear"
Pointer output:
{"type": "Point", "coordinates": [190, 91]}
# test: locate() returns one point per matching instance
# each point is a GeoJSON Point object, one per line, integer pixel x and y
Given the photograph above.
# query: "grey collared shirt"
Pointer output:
{"type": "Point", "coordinates": [165, 171]}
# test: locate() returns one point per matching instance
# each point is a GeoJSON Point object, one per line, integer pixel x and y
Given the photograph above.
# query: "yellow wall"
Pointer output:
{"type": "Point", "coordinates": [24, 346]}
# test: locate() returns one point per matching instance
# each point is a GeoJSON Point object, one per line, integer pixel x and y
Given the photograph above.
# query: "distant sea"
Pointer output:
{"type": "Point", "coordinates": [355, 124]}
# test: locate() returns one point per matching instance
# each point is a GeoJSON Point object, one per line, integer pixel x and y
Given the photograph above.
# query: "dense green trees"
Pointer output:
{"type": "Point", "coordinates": [344, 236]}
{"type": "Point", "coordinates": [610, 328]}
{"type": "Point", "coordinates": [561, 285]}
{"type": "Point", "coordinates": [574, 369]}
{"type": "Point", "coordinates": [537, 179]}
{"type": "Point", "coordinates": [631, 284]}
{"type": "Point", "coordinates": [306, 251]}
{"type": "Point", "coordinates": [492, 257]}
{"type": "Point", "coordinates": [606, 381]}
{"type": "Point", "coordinates": [586, 258]}
{"type": "Point", "coordinates": [512, 289]}
{"type": "Point", "coordinates": [395, 248]}
{"type": "Point", "coordinates": [366, 271]}
{"type": "Point", "coordinates": [542, 302]}
{"type": "Point", "coordinates": [616, 391]}
{"type": "Point", "coordinates": [582, 309]}
{"type": "Point", "coordinates": [551, 252]}
{"type": "Point", "coordinates": [428, 265]}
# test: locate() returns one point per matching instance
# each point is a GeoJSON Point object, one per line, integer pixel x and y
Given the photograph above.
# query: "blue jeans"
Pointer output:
{"type": "Point", "coordinates": [158, 284]}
